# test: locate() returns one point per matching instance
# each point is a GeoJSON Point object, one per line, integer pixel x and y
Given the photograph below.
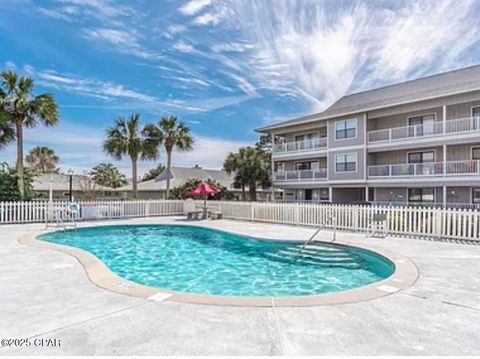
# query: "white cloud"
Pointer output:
{"type": "Point", "coordinates": [194, 6]}
{"type": "Point", "coordinates": [423, 33]}
{"type": "Point", "coordinates": [321, 52]}
{"type": "Point", "coordinates": [209, 152]}
{"type": "Point", "coordinates": [182, 46]}
{"type": "Point", "coordinates": [126, 42]}
{"type": "Point", "coordinates": [90, 86]}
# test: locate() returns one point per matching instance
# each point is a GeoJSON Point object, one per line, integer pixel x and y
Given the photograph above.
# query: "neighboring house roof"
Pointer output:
{"type": "Point", "coordinates": [435, 86]}
{"type": "Point", "coordinates": [60, 182]}
{"type": "Point", "coordinates": [180, 175]}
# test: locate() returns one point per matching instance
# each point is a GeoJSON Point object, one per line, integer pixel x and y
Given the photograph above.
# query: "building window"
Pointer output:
{"type": "Point", "coordinates": [476, 195]}
{"type": "Point", "coordinates": [346, 162]}
{"type": "Point", "coordinates": [421, 195]}
{"type": "Point", "coordinates": [421, 125]}
{"type": "Point", "coordinates": [305, 137]}
{"type": "Point", "coordinates": [421, 157]}
{"type": "Point", "coordinates": [345, 129]}
{"type": "Point", "coordinates": [324, 194]}
{"type": "Point", "coordinates": [476, 111]}
{"type": "Point", "coordinates": [475, 153]}
{"type": "Point", "coordinates": [307, 165]}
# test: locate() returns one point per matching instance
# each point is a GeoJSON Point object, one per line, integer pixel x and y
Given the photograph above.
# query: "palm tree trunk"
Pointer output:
{"type": "Point", "coordinates": [134, 177]}
{"type": "Point", "coordinates": [253, 191]}
{"type": "Point", "coordinates": [20, 172]}
{"type": "Point", "coordinates": [169, 170]}
{"type": "Point", "coordinates": [244, 195]}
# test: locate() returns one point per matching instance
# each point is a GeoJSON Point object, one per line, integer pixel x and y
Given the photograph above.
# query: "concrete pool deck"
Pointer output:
{"type": "Point", "coordinates": [46, 294]}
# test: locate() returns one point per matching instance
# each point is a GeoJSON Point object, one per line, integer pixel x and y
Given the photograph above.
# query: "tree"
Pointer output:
{"type": "Point", "coordinates": [106, 174]}
{"type": "Point", "coordinates": [126, 138]}
{"type": "Point", "coordinates": [42, 159]}
{"type": "Point", "coordinates": [9, 190]}
{"type": "Point", "coordinates": [7, 133]}
{"type": "Point", "coordinates": [173, 134]}
{"type": "Point", "coordinates": [153, 173]}
{"type": "Point", "coordinates": [251, 167]}
{"type": "Point", "coordinates": [24, 110]}
{"type": "Point", "coordinates": [182, 192]}
{"type": "Point", "coordinates": [88, 186]}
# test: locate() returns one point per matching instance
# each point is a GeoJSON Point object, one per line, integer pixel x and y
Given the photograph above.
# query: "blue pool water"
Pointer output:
{"type": "Point", "coordinates": [200, 260]}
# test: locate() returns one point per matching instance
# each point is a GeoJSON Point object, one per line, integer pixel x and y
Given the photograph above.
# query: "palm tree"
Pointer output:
{"type": "Point", "coordinates": [251, 167]}
{"type": "Point", "coordinates": [24, 110]}
{"type": "Point", "coordinates": [232, 165]}
{"type": "Point", "coordinates": [42, 159]}
{"type": "Point", "coordinates": [153, 173]}
{"type": "Point", "coordinates": [7, 133]}
{"type": "Point", "coordinates": [126, 138]}
{"type": "Point", "coordinates": [173, 134]}
{"type": "Point", "coordinates": [106, 174]}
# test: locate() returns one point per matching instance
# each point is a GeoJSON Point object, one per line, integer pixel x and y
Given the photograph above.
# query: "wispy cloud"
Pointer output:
{"type": "Point", "coordinates": [194, 6]}
{"type": "Point", "coordinates": [127, 42]}
{"type": "Point", "coordinates": [320, 52]}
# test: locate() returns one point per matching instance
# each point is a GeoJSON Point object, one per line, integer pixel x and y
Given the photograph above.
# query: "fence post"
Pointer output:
{"type": "Point", "coordinates": [252, 211]}
{"type": "Point", "coordinates": [147, 208]}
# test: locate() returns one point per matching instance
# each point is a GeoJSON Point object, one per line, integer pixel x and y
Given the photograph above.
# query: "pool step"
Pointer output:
{"type": "Point", "coordinates": [347, 263]}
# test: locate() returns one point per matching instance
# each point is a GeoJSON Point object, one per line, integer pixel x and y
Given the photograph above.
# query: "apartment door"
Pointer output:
{"type": "Point", "coordinates": [308, 195]}
{"type": "Point", "coordinates": [421, 125]}
{"type": "Point", "coordinates": [476, 118]}
{"type": "Point", "coordinates": [423, 162]}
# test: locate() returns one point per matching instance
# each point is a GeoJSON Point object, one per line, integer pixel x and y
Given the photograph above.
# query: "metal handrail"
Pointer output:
{"type": "Point", "coordinates": [322, 227]}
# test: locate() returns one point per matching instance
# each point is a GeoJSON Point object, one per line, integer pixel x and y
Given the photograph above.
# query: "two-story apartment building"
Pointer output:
{"type": "Point", "coordinates": [412, 142]}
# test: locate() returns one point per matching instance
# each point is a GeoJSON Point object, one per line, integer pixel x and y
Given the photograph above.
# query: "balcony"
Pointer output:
{"type": "Point", "coordinates": [463, 125]}
{"type": "Point", "coordinates": [302, 175]}
{"type": "Point", "coordinates": [300, 146]}
{"type": "Point", "coordinates": [450, 168]}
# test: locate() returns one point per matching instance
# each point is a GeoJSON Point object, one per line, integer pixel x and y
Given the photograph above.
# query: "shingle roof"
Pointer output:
{"type": "Point", "coordinates": [439, 85]}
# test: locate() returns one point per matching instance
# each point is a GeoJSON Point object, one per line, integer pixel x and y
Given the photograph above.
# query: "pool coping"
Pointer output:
{"type": "Point", "coordinates": [405, 275]}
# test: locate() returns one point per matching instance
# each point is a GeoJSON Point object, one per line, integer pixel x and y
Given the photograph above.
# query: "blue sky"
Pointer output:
{"type": "Point", "coordinates": [224, 67]}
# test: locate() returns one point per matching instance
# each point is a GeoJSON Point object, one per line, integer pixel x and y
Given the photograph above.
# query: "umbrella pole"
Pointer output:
{"type": "Point", "coordinates": [205, 206]}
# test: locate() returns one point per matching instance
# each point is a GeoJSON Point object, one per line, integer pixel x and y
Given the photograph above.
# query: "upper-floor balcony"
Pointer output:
{"type": "Point", "coordinates": [449, 168]}
{"type": "Point", "coordinates": [467, 125]}
{"type": "Point", "coordinates": [301, 175]}
{"type": "Point", "coordinates": [312, 144]}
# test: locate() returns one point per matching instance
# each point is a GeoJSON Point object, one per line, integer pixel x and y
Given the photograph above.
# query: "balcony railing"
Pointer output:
{"type": "Point", "coordinates": [469, 124]}
{"type": "Point", "coordinates": [450, 168]}
{"type": "Point", "coordinates": [299, 146]}
{"type": "Point", "coordinates": [302, 175]}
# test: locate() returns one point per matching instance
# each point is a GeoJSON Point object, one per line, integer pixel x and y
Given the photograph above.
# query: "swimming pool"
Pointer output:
{"type": "Point", "coordinates": [201, 260]}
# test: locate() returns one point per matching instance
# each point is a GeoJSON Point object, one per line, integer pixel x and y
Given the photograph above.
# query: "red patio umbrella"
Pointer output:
{"type": "Point", "coordinates": [205, 190]}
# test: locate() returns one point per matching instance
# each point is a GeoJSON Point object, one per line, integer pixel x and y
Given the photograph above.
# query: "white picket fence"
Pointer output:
{"type": "Point", "coordinates": [34, 212]}
{"type": "Point", "coordinates": [407, 221]}
{"type": "Point", "coordinates": [461, 224]}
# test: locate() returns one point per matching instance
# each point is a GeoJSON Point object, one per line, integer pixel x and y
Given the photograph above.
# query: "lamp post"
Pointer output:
{"type": "Point", "coordinates": [70, 185]}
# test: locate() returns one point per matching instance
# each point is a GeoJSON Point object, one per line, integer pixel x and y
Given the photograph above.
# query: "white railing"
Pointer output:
{"type": "Point", "coordinates": [401, 220]}
{"type": "Point", "coordinates": [469, 124]}
{"type": "Point", "coordinates": [469, 167]}
{"type": "Point", "coordinates": [302, 175]}
{"type": "Point", "coordinates": [299, 146]}
{"type": "Point", "coordinates": [451, 168]}
{"type": "Point", "coordinates": [407, 169]}
{"type": "Point", "coordinates": [38, 211]}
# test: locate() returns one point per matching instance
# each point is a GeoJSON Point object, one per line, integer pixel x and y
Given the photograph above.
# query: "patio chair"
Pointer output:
{"type": "Point", "coordinates": [190, 209]}
{"type": "Point", "coordinates": [378, 225]}
{"type": "Point", "coordinates": [214, 213]}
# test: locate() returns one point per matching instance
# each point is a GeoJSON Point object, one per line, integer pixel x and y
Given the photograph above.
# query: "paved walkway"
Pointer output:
{"type": "Point", "coordinates": [46, 294]}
